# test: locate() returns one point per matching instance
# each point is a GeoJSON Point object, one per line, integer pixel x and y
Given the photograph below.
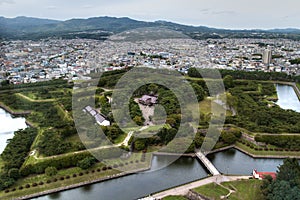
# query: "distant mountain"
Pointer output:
{"type": "Point", "coordinates": [286, 30]}
{"type": "Point", "coordinates": [102, 27]}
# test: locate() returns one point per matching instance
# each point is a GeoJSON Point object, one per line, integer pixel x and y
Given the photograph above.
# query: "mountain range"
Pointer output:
{"type": "Point", "coordinates": [102, 27]}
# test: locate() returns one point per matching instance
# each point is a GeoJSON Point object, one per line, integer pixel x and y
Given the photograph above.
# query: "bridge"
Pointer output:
{"type": "Point", "coordinates": [211, 168]}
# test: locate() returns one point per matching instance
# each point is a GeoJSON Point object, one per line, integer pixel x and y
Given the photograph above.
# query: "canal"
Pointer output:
{"type": "Point", "coordinates": [8, 125]}
{"type": "Point", "coordinates": [287, 98]}
{"type": "Point", "coordinates": [182, 171]}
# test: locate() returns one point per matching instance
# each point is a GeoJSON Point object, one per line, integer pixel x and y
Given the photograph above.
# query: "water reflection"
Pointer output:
{"type": "Point", "coordinates": [8, 125]}
{"type": "Point", "coordinates": [287, 98]}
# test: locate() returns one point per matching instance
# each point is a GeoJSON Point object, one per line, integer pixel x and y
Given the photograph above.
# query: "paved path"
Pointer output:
{"type": "Point", "coordinates": [183, 190]}
{"type": "Point", "coordinates": [211, 168]}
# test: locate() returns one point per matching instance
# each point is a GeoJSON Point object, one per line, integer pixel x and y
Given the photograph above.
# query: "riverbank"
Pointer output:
{"type": "Point", "coordinates": [61, 189]}
{"type": "Point", "coordinates": [12, 112]}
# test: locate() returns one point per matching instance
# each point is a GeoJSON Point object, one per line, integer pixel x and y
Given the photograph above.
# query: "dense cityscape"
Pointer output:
{"type": "Point", "coordinates": [32, 61]}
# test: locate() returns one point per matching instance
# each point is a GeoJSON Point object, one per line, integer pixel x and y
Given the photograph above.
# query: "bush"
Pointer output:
{"type": "Point", "coordinates": [34, 184]}
{"type": "Point", "coordinates": [41, 183]}
{"type": "Point", "coordinates": [86, 162]}
{"type": "Point", "coordinates": [104, 168]}
{"type": "Point", "coordinates": [27, 186]}
{"type": "Point", "coordinates": [55, 180]}
{"type": "Point", "coordinates": [21, 188]}
{"type": "Point", "coordinates": [67, 177]}
{"type": "Point", "coordinates": [51, 171]}
{"type": "Point", "coordinates": [74, 175]}
{"type": "Point", "coordinates": [6, 191]}
{"type": "Point", "coordinates": [80, 174]}
{"type": "Point", "coordinates": [49, 181]}
{"type": "Point", "coordinates": [98, 170]}
{"type": "Point", "coordinates": [62, 178]}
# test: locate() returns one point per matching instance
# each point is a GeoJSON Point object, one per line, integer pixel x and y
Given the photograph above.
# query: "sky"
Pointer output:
{"type": "Point", "coordinates": [233, 14]}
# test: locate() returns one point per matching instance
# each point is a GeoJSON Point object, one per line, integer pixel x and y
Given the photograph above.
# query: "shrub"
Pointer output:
{"type": "Point", "coordinates": [86, 162]}
{"type": "Point", "coordinates": [51, 171]}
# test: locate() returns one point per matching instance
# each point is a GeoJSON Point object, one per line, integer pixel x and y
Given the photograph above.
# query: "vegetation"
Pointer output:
{"type": "Point", "coordinates": [243, 190]}
{"type": "Point", "coordinates": [286, 185]}
{"type": "Point", "coordinates": [212, 190]}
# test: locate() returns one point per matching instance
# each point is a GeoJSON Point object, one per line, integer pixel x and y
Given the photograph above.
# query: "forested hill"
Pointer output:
{"type": "Point", "coordinates": [102, 27]}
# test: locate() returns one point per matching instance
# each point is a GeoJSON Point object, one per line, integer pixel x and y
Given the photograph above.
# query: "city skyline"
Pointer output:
{"type": "Point", "coordinates": [231, 14]}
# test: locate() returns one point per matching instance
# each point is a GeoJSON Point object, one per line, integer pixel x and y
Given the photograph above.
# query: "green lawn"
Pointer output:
{"type": "Point", "coordinates": [212, 191]}
{"type": "Point", "coordinates": [174, 198]}
{"type": "Point", "coordinates": [244, 190]}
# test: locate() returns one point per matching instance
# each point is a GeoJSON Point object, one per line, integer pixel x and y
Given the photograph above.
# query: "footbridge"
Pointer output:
{"type": "Point", "coordinates": [211, 168]}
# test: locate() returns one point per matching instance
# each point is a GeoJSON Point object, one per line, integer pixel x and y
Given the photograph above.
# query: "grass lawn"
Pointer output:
{"type": "Point", "coordinates": [174, 198]}
{"type": "Point", "coordinates": [245, 189]}
{"type": "Point", "coordinates": [120, 138]}
{"type": "Point", "coordinates": [212, 191]}
{"type": "Point", "coordinates": [205, 107]}
{"type": "Point", "coordinates": [266, 153]}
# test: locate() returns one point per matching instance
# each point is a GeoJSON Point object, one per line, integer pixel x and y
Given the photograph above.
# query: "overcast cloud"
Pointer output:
{"type": "Point", "coordinates": [237, 14]}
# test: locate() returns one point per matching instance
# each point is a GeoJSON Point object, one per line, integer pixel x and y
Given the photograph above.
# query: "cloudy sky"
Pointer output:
{"type": "Point", "coordinates": [236, 14]}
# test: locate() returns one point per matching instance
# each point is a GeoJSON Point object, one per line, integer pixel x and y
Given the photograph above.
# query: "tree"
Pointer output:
{"type": "Point", "coordinates": [286, 186]}
{"type": "Point", "coordinates": [138, 120]}
{"type": "Point", "coordinates": [51, 171]}
{"type": "Point", "coordinates": [193, 72]}
{"type": "Point", "coordinates": [199, 91]}
{"type": "Point", "coordinates": [86, 162]}
{"type": "Point", "coordinates": [14, 173]}
{"type": "Point", "coordinates": [228, 81]}
{"type": "Point", "coordinates": [289, 171]}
